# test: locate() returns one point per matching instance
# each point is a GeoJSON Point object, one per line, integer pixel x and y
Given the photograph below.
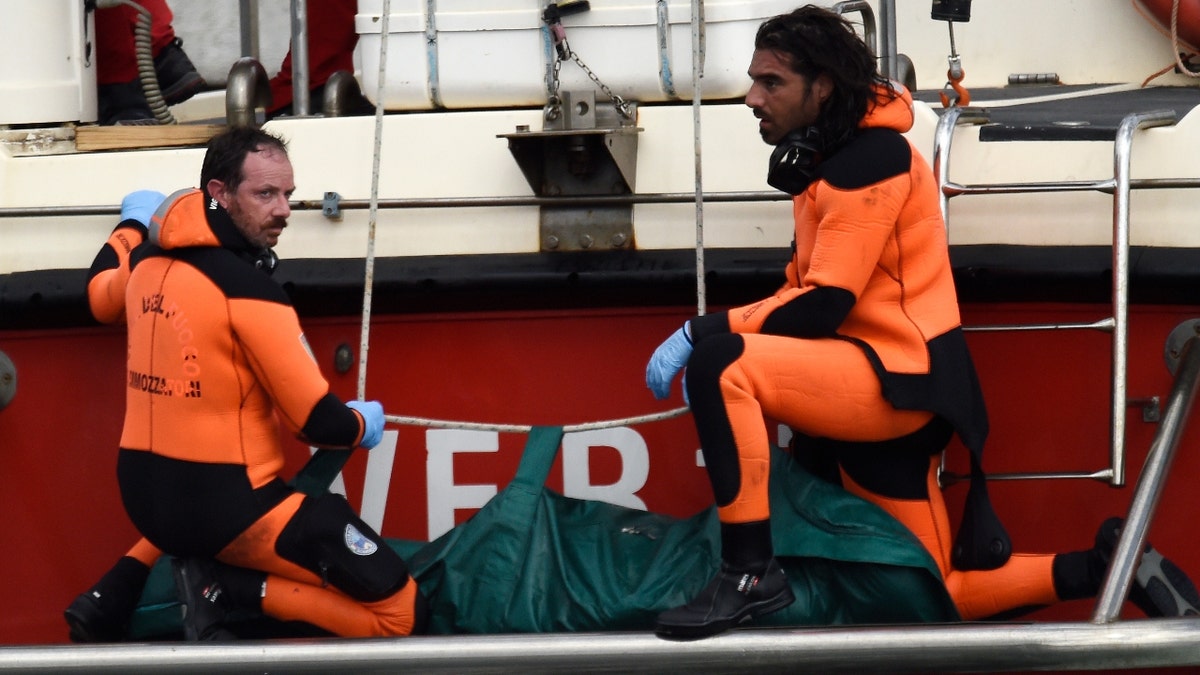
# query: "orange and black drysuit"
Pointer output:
{"type": "Point", "coordinates": [862, 352]}
{"type": "Point", "coordinates": [106, 283]}
{"type": "Point", "coordinates": [217, 360]}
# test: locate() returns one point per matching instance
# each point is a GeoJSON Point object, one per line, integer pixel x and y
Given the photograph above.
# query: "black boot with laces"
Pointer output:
{"type": "Point", "coordinates": [732, 597]}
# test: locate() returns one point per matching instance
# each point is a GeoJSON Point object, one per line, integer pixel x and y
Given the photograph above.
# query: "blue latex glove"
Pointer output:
{"type": "Point", "coordinates": [372, 414]}
{"type": "Point", "coordinates": [141, 205]}
{"type": "Point", "coordinates": [670, 358]}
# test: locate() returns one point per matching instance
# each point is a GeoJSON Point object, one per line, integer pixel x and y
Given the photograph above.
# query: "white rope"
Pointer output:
{"type": "Point", "coordinates": [1175, 41]}
{"type": "Point", "coordinates": [369, 276]}
{"type": "Point", "coordinates": [697, 76]}
{"type": "Point", "coordinates": [526, 428]}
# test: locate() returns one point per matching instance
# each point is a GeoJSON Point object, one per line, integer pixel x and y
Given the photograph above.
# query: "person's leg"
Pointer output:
{"type": "Point", "coordinates": [102, 613]}
{"type": "Point", "coordinates": [115, 58]}
{"type": "Point", "coordinates": [325, 566]}
{"type": "Point", "coordinates": [178, 78]}
{"type": "Point", "coordinates": [331, 41]}
{"type": "Point", "coordinates": [903, 482]}
{"type": "Point", "coordinates": [119, 91]}
{"type": "Point", "coordinates": [819, 387]}
{"type": "Point", "coordinates": [901, 479]}
{"type": "Point", "coordinates": [162, 30]}
{"type": "Point", "coordinates": [119, 94]}
{"type": "Point", "coordinates": [229, 538]}
{"type": "Point", "coordinates": [1160, 587]}
{"type": "Point", "coordinates": [822, 388]}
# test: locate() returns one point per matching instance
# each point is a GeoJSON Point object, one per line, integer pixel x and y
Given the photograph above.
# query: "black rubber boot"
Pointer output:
{"type": "Point", "coordinates": [122, 103]}
{"type": "Point", "coordinates": [101, 614]}
{"type": "Point", "coordinates": [732, 597]}
{"type": "Point", "coordinates": [177, 76]}
{"type": "Point", "coordinates": [1159, 587]}
{"type": "Point", "coordinates": [205, 601]}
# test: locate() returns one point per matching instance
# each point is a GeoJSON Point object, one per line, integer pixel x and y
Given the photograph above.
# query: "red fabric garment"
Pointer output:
{"type": "Point", "coordinates": [116, 61]}
{"type": "Point", "coordinates": [331, 40]}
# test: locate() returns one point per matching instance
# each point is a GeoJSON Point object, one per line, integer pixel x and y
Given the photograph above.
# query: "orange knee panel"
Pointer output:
{"type": "Point", "coordinates": [338, 613]}
{"type": "Point", "coordinates": [293, 593]}
{"type": "Point", "coordinates": [1026, 580]}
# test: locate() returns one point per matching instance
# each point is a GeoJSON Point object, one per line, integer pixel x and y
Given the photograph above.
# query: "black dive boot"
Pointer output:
{"type": "Point", "coordinates": [177, 76]}
{"type": "Point", "coordinates": [205, 600]}
{"type": "Point", "coordinates": [101, 614]}
{"type": "Point", "coordinates": [732, 597]}
{"type": "Point", "coordinates": [749, 584]}
{"type": "Point", "coordinates": [1159, 587]}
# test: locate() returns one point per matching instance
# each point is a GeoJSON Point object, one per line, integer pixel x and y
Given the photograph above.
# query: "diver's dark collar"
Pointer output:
{"type": "Point", "coordinates": [232, 238]}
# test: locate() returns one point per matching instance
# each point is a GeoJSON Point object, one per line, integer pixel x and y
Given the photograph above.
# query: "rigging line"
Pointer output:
{"type": "Point", "coordinates": [1175, 41]}
{"type": "Point", "coordinates": [1171, 35]}
{"type": "Point", "coordinates": [526, 428]}
{"type": "Point", "coordinates": [373, 213]}
{"type": "Point", "coordinates": [697, 76]}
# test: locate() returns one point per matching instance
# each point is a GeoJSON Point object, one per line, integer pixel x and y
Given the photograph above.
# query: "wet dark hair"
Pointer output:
{"type": "Point", "coordinates": [227, 153]}
{"type": "Point", "coordinates": [819, 41]}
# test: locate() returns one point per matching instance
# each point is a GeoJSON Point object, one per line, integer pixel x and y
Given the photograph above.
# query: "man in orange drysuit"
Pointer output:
{"type": "Point", "coordinates": [860, 352]}
{"type": "Point", "coordinates": [217, 360]}
{"type": "Point", "coordinates": [101, 614]}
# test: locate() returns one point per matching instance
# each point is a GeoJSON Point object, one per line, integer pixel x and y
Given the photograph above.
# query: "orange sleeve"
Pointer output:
{"type": "Point", "coordinates": [110, 274]}
{"type": "Point", "coordinates": [280, 357]}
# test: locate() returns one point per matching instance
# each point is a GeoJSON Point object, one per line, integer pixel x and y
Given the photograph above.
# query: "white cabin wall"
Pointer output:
{"type": "Point", "coordinates": [46, 73]}
{"type": "Point", "coordinates": [1083, 41]}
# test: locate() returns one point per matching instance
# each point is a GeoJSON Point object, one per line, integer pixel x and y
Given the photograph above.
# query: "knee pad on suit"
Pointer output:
{"type": "Point", "coordinates": [329, 539]}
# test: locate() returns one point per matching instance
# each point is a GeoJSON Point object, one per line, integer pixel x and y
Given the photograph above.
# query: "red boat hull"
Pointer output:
{"type": "Point", "coordinates": [1047, 393]}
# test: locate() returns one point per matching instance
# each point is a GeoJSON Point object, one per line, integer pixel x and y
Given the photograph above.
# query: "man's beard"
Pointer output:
{"type": "Point", "coordinates": [255, 235]}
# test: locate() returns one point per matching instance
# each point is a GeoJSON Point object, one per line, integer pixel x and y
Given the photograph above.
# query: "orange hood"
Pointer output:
{"type": "Point", "coordinates": [180, 222]}
{"type": "Point", "coordinates": [889, 112]}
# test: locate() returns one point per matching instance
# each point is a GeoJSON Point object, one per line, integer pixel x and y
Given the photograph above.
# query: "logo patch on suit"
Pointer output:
{"type": "Point", "coordinates": [357, 543]}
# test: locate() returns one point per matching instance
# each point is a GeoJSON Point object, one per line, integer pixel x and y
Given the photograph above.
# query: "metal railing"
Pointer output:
{"type": "Point", "coordinates": [442, 202]}
{"type": "Point", "coordinates": [929, 648]}
{"type": "Point", "coordinates": [1132, 541]}
{"type": "Point", "coordinates": [1119, 186]}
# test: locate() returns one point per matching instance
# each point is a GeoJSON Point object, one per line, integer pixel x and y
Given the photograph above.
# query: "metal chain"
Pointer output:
{"type": "Point", "coordinates": [554, 102]}
{"type": "Point", "coordinates": [621, 105]}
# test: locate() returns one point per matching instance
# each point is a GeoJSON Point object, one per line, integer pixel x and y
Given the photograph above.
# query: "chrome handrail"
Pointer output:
{"type": "Point", "coordinates": [299, 46]}
{"type": "Point", "coordinates": [445, 202]}
{"type": "Point", "coordinates": [926, 648]}
{"type": "Point", "coordinates": [1119, 186]}
{"type": "Point", "coordinates": [1128, 552]}
{"type": "Point", "coordinates": [870, 35]}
